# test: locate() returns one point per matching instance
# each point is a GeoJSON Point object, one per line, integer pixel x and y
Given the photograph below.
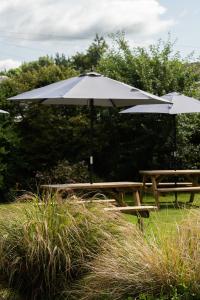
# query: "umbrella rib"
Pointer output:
{"type": "Point", "coordinates": [112, 102]}
{"type": "Point", "coordinates": [42, 100]}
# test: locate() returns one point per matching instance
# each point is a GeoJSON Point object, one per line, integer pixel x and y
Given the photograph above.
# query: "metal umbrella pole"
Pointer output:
{"type": "Point", "coordinates": [91, 162]}
{"type": "Point", "coordinates": [175, 155]}
{"type": "Point", "coordinates": [175, 142]}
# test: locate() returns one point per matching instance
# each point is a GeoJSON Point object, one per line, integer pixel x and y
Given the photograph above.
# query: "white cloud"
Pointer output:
{"type": "Point", "coordinates": [67, 19]}
{"type": "Point", "coordinates": [7, 64]}
{"type": "Point", "coordinates": [183, 13]}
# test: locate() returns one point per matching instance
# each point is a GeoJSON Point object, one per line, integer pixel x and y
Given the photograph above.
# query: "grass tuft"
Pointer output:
{"type": "Point", "coordinates": [158, 267]}
{"type": "Point", "coordinates": [47, 249]}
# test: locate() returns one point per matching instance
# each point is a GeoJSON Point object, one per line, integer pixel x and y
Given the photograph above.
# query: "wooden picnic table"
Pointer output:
{"type": "Point", "coordinates": [115, 187]}
{"type": "Point", "coordinates": [157, 176]}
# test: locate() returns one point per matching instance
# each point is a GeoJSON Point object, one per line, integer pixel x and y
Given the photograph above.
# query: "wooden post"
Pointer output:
{"type": "Point", "coordinates": [140, 222]}
{"type": "Point", "coordinates": [155, 192]}
{"type": "Point", "coordinates": [136, 195]}
{"type": "Point", "coordinates": [194, 183]}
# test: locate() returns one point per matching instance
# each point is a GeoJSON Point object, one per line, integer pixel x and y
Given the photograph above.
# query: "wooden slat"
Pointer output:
{"type": "Point", "coordinates": [180, 189]}
{"type": "Point", "coordinates": [170, 184]}
{"type": "Point", "coordinates": [169, 172]}
{"type": "Point", "coordinates": [101, 201]}
{"type": "Point", "coordinates": [95, 201]}
{"type": "Point", "coordinates": [96, 185]}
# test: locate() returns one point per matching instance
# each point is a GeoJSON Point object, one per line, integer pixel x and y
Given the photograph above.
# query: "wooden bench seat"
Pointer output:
{"type": "Point", "coordinates": [131, 209]}
{"type": "Point", "coordinates": [179, 189]}
{"type": "Point", "coordinates": [139, 211]}
{"type": "Point", "coordinates": [160, 184]}
{"type": "Point", "coordinates": [190, 189]}
{"type": "Point", "coordinates": [100, 201]}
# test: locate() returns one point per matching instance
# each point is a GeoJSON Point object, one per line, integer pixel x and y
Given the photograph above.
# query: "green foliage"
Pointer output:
{"type": "Point", "coordinates": [32, 127]}
{"type": "Point", "coordinates": [35, 137]}
{"type": "Point", "coordinates": [89, 61]}
{"type": "Point", "coordinates": [9, 143]}
{"type": "Point", "coordinates": [157, 69]}
{"type": "Point", "coordinates": [65, 172]}
{"type": "Point", "coordinates": [189, 140]}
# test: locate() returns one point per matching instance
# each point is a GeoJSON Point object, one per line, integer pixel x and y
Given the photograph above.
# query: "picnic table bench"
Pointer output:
{"type": "Point", "coordinates": [179, 189]}
{"type": "Point", "coordinates": [169, 184]}
{"type": "Point", "coordinates": [140, 211]}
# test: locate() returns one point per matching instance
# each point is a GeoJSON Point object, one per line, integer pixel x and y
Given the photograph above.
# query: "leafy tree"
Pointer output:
{"type": "Point", "coordinates": [37, 129]}
{"type": "Point", "coordinates": [156, 69]}
{"type": "Point", "coordinates": [88, 61]}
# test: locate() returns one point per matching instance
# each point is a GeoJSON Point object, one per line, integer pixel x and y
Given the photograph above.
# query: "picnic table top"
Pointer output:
{"type": "Point", "coordinates": [169, 172]}
{"type": "Point", "coordinates": [95, 185]}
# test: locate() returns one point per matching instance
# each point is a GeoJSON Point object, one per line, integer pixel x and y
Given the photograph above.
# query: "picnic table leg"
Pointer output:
{"type": "Point", "coordinates": [194, 183]}
{"type": "Point", "coordinates": [119, 196]}
{"type": "Point", "coordinates": [192, 197]}
{"type": "Point", "coordinates": [155, 192]}
{"type": "Point", "coordinates": [140, 218]}
{"type": "Point", "coordinates": [176, 199]}
{"type": "Point", "coordinates": [140, 222]}
{"type": "Point", "coordinates": [136, 195]}
{"type": "Point", "coordinates": [142, 191]}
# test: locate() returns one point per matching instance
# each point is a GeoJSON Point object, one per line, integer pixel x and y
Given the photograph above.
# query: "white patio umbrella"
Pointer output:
{"type": "Point", "coordinates": [90, 89]}
{"type": "Point", "coordinates": [180, 104]}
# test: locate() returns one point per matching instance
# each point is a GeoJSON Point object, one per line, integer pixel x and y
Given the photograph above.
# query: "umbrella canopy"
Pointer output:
{"type": "Point", "coordinates": [81, 90]}
{"type": "Point", "coordinates": [90, 89]}
{"type": "Point", "coordinates": [180, 104]}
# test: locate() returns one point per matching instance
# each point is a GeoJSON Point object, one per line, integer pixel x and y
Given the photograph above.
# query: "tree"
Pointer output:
{"type": "Point", "coordinates": [89, 61]}
{"type": "Point", "coordinates": [156, 69]}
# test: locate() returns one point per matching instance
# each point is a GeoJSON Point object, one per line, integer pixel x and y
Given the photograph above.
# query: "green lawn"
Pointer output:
{"type": "Point", "coordinates": [11, 210]}
{"type": "Point", "coordinates": [168, 216]}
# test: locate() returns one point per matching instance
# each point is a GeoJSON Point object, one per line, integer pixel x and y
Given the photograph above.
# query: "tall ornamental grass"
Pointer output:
{"type": "Point", "coordinates": [152, 267]}
{"type": "Point", "coordinates": [48, 247]}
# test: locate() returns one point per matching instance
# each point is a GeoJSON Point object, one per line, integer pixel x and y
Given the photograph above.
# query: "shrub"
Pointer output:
{"type": "Point", "coordinates": [64, 172]}
{"type": "Point", "coordinates": [46, 249]}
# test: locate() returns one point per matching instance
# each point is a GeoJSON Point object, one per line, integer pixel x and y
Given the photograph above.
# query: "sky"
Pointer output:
{"type": "Point", "coordinates": [33, 28]}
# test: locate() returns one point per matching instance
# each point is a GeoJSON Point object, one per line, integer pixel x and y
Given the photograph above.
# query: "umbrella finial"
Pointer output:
{"type": "Point", "coordinates": [91, 74]}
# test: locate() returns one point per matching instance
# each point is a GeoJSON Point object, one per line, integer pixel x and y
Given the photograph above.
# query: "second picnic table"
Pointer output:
{"type": "Point", "coordinates": [158, 186]}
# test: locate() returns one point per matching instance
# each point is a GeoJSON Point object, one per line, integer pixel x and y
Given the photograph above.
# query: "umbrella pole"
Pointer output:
{"type": "Point", "coordinates": [91, 105]}
{"type": "Point", "coordinates": [175, 143]}
{"type": "Point", "coordinates": [175, 155]}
